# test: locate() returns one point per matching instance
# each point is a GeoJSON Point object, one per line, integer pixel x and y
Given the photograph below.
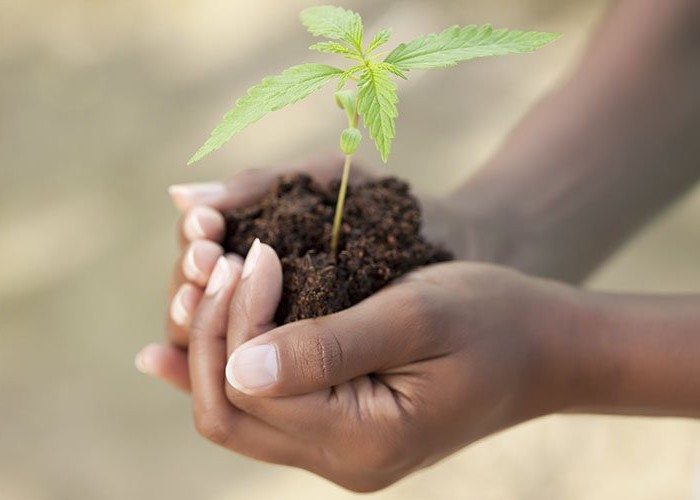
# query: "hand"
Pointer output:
{"type": "Point", "coordinates": [201, 230]}
{"type": "Point", "coordinates": [443, 357]}
{"type": "Point", "coordinates": [202, 227]}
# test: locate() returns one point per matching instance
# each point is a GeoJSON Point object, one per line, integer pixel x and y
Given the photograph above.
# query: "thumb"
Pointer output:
{"type": "Point", "coordinates": [383, 332]}
{"type": "Point", "coordinates": [252, 310]}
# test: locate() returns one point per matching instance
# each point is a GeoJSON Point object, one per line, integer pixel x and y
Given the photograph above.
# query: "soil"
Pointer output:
{"type": "Point", "coordinates": [380, 241]}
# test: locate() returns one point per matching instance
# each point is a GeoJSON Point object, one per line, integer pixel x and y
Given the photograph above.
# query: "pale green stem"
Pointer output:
{"type": "Point", "coordinates": [340, 205]}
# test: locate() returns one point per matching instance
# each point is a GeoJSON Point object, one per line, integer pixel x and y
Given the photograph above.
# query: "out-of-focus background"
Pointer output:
{"type": "Point", "coordinates": [101, 103]}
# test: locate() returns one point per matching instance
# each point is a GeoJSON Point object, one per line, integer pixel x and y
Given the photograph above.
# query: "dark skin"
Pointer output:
{"type": "Point", "coordinates": [455, 352]}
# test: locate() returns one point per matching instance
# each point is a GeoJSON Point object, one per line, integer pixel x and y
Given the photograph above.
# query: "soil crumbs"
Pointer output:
{"type": "Point", "coordinates": [380, 241]}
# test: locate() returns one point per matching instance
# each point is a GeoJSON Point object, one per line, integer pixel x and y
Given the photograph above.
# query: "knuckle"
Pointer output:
{"type": "Point", "coordinates": [197, 329]}
{"type": "Point", "coordinates": [211, 426]}
{"type": "Point", "coordinates": [178, 336]}
{"type": "Point", "coordinates": [320, 356]}
{"type": "Point", "coordinates": [202, 331]}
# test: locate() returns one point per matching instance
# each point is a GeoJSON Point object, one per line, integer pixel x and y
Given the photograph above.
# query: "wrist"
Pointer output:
{"type": "Point", "coordinates": [553, 326]}
{"type": "Point", "coordinates": [579, 360]}
{"type": "Point", "coordinates": [635, 355]}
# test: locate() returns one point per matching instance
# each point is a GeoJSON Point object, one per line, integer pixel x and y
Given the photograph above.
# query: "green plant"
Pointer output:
{"type": "Point", "coordinates": [375, 98]}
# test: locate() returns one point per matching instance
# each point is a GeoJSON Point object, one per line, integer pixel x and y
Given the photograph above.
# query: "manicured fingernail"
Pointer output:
{"type": "Point", "coordinates": [199, 260]}
{"type": "Point", "coordinates": [187, 195]}
{"type": "Point", "coordinates": [252, 259]}
{"type": "Point", "coordinates": [144, 359]}
{"type": "Point", "coordinates": [253, 367]}
{"type": "Point", "coordinates": [220, 277]}
{"type": "Point", "coordinates": [183, 304]}
{"type": "Point", "coordinates": [203, 223]}
{"type": "Point", "coordinates": [236, 259]}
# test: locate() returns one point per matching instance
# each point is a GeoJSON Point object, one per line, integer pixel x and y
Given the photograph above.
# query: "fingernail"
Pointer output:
{"type": "Point", "coordinates": [251, 260]}
{"type": "Point", "coordinates": [144, 359]}
{"type": "Point", "coordinates": [193, 227]}
{"type": "Point", "coordinates": [203, 223]}
{"type": "Point", "coordinates": [237, 259]}
{"type": "Point", "coordinates": [187, 195]}
{"type": "Point", "coordinates": [219, 277]}
{"type": "Point", "coordinates": [182, 305]}
{"type": "Point", "coordinates": [199, 256]}
{"type": "Point", "coordinates": [253, 367]}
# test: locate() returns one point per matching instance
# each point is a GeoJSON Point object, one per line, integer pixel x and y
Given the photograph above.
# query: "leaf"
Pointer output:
{"type": "Point", "coordinates": [273, 93]}
{"type": "Point", "coordinates": [349, 73]}
{"type": "Point", "coordinates": [379, 39]}
{"type": "Point", "coordinates": [457, 44]}
{"type": "Point", "coordinates": [331, 48]}
{"type": "Point", "coordinates": [377, 104]}
{"type": "Point", "coordinates": [392, 69]}
{"type": "Point", "coordinates": [335, 23]}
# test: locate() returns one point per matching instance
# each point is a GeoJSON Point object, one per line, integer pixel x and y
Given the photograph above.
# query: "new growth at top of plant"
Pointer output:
{"type": "Point", "coordinates": [373, 74]}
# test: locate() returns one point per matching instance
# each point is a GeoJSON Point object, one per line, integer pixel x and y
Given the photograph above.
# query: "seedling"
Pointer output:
{"type": "Point", "coordinates": [373, 75]}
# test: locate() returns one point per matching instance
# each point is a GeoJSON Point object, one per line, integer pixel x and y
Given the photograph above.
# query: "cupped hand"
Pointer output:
{"type": "Point", "coordinates": [447, 355]}
{"type": "Point", "coordinates": [200, 231]}
{"type": "Point", "coordinates": [202, 227]}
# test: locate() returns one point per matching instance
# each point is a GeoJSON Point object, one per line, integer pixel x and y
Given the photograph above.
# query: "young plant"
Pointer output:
{"type": "Point", "coordinates": [375, 96]}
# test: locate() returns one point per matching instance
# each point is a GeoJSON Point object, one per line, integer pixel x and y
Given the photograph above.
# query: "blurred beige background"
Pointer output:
{"type": "Point", "coordinates": [102, 102]}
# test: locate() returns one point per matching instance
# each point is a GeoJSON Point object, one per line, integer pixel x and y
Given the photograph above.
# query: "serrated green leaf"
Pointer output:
{"type": "Point", "coordinates": [457, 44]}
{"type": "Point", "coordinates": [331, 48]}
{"type": "Point", "coordinates": [349, 73]}
{"type": "Point", "coordinates": [273, 93]}
{"type": "Point", "coordinates": [392, 69]}
{"type": "Point", "coordinates": [335, 23]}
{"type": "Point", "coordinates": [379, 39]}
{"type": "Point", "coordinates": [376, 102]}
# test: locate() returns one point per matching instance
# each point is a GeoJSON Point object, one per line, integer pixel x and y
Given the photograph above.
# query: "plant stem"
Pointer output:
{"type": "Point", "coordinates": [340, 205]}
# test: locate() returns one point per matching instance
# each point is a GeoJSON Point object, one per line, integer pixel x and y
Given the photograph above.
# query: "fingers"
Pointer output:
{"type": "Point", "coordinates": [251, 314]}
{"type": "Point", "coordinates": [198, 261]}
{"type": "Point", "coordinates": [180, 312]}
{"type": "Point", "coordinates": [389, 330]}
{"type": "Point", "coordinates": [244, 188]}
{"type": "Point", "coordinates": [248, 186]}
{"type": "Point", "coordinates": [191, 273]}
{"type": "Point", "coordinates": [202, 204]}
{"type": "Point", "coordinates": [253, 307]}
{"type": "Point", "coordinates": [304, 371]}
{"type": "Point", "coordinates": [165, 362]}
{"type": "Point", "coordinates": [201, 223]}
{"type": "Point", "coordinates": [215, 417]}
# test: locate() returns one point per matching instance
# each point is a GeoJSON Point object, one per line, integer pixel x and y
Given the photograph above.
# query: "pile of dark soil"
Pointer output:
{"type": "Point", "coordinates": [380, 241]}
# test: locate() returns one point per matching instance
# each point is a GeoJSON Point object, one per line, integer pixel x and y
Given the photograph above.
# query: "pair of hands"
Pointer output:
{"type": "Point", "coordinates": [441, 358]}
